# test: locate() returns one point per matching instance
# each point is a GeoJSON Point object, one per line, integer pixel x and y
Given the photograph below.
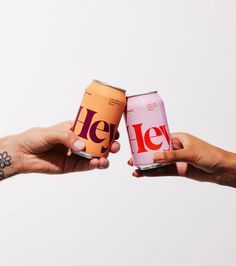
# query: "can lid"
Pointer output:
{"type": "Point", "coordinates": [151, 92]}
{"type": "Point", "coordinates": [106, 84]}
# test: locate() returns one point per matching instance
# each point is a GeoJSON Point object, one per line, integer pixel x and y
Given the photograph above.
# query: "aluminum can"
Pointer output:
{"type": "Point", "coordinates": [147, 128]}
{"type": "Point", "coordinates": [98, 118]}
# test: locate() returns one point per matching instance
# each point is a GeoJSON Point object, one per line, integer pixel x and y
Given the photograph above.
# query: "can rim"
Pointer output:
{"type": "Point", "coordinates": [141, 94]}
{"type": "Point", "coordinates": [109, 85]}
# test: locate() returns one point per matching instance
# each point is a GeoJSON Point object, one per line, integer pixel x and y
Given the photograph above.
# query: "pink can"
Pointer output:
{"type": "Point", "coordinates": [147, 128]}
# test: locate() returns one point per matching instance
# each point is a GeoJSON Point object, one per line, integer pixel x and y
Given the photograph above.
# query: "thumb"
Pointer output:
{"type": "Point", "coordinates": [173, 156]}
{"type": "Point", "coordinates": [65, 137]}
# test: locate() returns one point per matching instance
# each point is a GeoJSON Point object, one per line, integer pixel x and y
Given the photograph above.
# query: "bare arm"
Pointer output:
{"type": "Point", "coordinates": [44, 150]}
{"type": "Point", "coordinates": [195, 159]}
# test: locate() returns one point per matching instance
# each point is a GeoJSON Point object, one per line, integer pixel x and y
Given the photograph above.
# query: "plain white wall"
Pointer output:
{"type": "Point", "coordinates": [49, 52]}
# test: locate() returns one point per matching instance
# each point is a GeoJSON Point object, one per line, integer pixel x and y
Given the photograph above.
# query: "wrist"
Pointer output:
{"type": "Point", "coordinates": [230, 162]}
{"type": "Point", "coordinates": [10, 158]}
{"type": "Point", "coordinates": [228, 171]}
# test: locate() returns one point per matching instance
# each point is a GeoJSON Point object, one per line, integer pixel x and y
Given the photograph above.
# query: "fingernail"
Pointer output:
{"type": "Point", "coordinates": [117, 146]}
{"type": "Point", "coordinates": [107, 164]}
{"type": "Point", "coordinates": [136, 174]}
{"type": "Point", "coordinates": [104, 163]}
{"type": "Point", "coordinates": [78, 145]}
{"type": "Point", "coordinates": [131, 162]}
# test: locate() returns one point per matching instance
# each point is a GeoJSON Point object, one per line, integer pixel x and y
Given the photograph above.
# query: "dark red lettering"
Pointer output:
{"type": "Point", "coordinates": [91, 130]}
{"type": "Point", "coordinates": [111, 137]}
{"type": "Point", "coordinates": [94, 128]}
{"type": "Point", "coordinates": [86, 123]}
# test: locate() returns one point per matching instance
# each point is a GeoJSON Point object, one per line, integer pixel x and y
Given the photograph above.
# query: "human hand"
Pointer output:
{"type": "Point", "coordinates": [44, 150]}
{"type": "Point", "coordinates": [196, 159]}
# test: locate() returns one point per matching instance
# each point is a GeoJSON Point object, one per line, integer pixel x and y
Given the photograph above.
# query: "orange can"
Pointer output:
{"type": "Point", "coordinates": [98, 118]}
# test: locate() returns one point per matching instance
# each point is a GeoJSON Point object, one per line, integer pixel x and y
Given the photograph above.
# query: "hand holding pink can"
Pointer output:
{"type": "Point", "coordinates": [147, 128]}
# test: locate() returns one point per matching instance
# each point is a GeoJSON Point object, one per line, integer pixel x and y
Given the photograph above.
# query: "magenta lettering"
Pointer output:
{"type": "Point", "coordinates": [91, 128]}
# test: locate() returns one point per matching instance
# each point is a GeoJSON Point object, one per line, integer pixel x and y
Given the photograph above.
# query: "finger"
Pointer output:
{"type": "Point", "coordinates": [103, 163]}
{"type": "Point", "coordinates": [137, 173]}
{"type": "Point", "coordinates": [176, 144]}
{"type": "Point", "coordinates": [178, 169]}
{"type": "Point", "coordinates": [117, 135]}
{"type": "Point", "coordinates": [100, 163]}
{"type": "Point", "coordinates": [181, 136]}
{"type": "Point", "coordinates": [66, 164]}
{"type": "Point", "coordinates": [115, 147]}
{"type": "Point", "coordinates": [173, 156]}
{"type": "Point", "coordinates": [93, 163]}
{"type": "Point", "coordinates": [169, 170]}
{"type": "Point", "coordinates": [64, 125]}
{"type": "Point", "coordinates": [130, 162]}
{"type": "Point", "coordinates": [184, 138]}
{"type": "Point", "coordinates": [65, 137]}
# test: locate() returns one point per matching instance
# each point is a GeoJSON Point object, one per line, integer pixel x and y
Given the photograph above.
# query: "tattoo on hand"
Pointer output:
{"type": "Point", "coordinates": [5, 160]}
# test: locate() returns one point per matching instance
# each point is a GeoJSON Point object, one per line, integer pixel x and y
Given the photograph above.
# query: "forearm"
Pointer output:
{"type": "Point", "coordinates": [9, 157]}
{"type": "Point", "coordinates": [230, 169]}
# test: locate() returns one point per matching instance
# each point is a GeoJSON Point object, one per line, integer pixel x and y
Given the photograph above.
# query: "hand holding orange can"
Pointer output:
{"type": "Point", "coordinates": [98, 118]}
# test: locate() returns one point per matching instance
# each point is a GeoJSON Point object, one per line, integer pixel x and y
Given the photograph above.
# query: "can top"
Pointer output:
{"type": "Point", "coordinates": [106, 84]}
{"type": "Point", "coordinates": [141, 94]}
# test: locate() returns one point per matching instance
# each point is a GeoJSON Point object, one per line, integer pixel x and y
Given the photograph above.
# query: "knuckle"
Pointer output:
{"type": "Point", "coordinates": [52, 135]}
{"type": "Point", "coordinates": [66, 135]}
{"type": "Point", "coordinates": [170, 156]}
{"type": "Point", "coordinates": [33, 130]}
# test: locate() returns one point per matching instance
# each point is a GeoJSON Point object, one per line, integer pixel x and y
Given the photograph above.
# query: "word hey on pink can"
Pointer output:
{"type": "Point", "coordinates": [147, 128]}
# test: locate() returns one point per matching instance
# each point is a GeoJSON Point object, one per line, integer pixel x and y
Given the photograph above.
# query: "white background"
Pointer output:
{"type": "Point", "coordinates": [49, 52]}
